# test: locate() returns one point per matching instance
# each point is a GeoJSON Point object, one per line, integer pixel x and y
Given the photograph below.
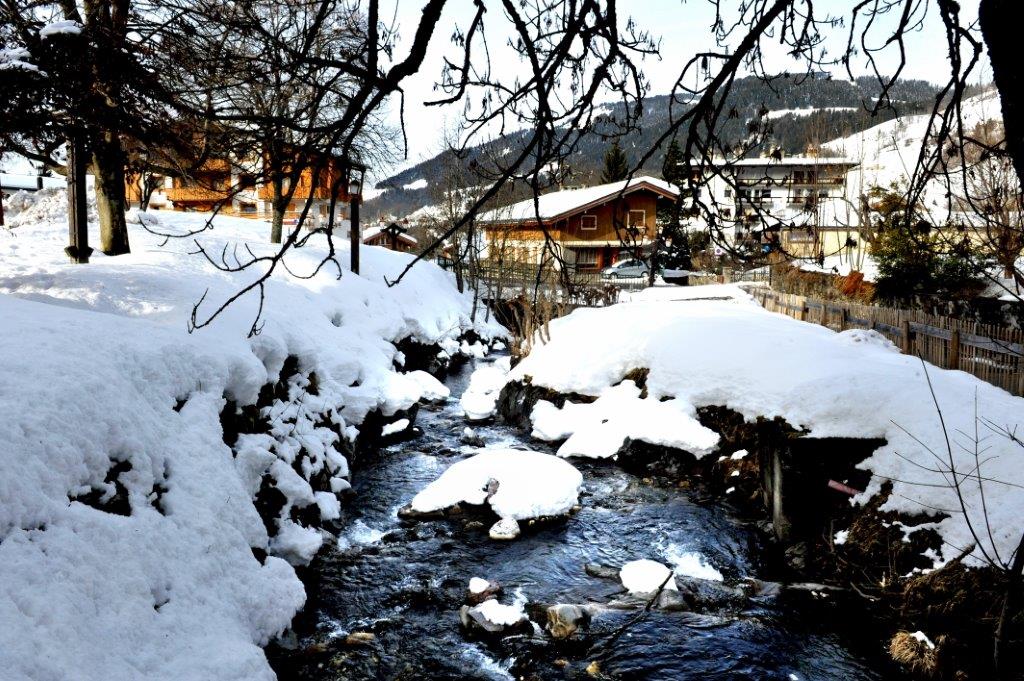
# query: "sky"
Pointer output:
{"type": "Point", "coordinates": [683, 28]}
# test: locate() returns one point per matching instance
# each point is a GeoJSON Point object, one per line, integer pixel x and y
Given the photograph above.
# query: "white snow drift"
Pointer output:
{"type": "Point", "coordinates": [479, 399]}
{"type": "Point", "coordinates": [529, 484]}
{"type": "Point", "coordinates": [99, 369]}
{"type": "Point", "coordinates": [851, 384]}
{"type": "Point", "coordinates": [599, 429]}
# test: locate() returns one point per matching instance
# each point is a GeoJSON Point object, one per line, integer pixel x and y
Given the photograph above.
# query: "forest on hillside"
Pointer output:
{"type": "Point", "coordinates": [808, 111]}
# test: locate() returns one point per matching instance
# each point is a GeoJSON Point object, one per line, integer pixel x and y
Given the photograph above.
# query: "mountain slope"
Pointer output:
{"type": "Point", "coordinates": [802, 111]}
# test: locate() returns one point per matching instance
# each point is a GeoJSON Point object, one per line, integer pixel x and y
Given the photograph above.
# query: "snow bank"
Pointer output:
{"type": "Point", "coordinates": [733, 353]}
{"type": "Point", "coordinates": [529, 484]}
{"type": "Point", "coordinates": [107, 398]}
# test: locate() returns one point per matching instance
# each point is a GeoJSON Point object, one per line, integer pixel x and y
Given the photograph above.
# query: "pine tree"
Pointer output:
{"type": "Point", "coordinates": [673, 246]}
{"type": "Point", "coordinates": [616, 166]}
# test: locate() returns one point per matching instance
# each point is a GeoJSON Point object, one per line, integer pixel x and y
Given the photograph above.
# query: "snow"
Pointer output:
{"type": "Point", "coordinates": [432, 389]}
{"type": "Point", "coordinates": [396, 427]}
{"type": "Point", "coordinates": [921, 637]}
{"type": "Point", "coordinates": [371, 232]}
{"type": "Point", "coordinates": [16, 58]}
{"type": "Point", "coordinates": [421, 183]}
{"type": "Point", "coordinates": [529, 484]}
{"type": "Point", "coordinates": [739, 455]}
{"type": "Point", "coordinates": [888, 152]}
{"type": "Point", "coordinates": [806, 111]}
{"type": "Point", "coordinates": [554, 204]}
{"type": "Point", "coordinates": [842, 264]}
{"type": "Point", "coordinates": [63, 27]}
{"type": "Point", "coordinates": [733, 353]}
{"type": "Point", "coordinates": [479, 398]}
{"type": "Point", "coordinates": [500, 614]}
{"type": "Point", "coordinates": [478, 585]}
{"type": "Point", "coordinates": [102, 370]}
{"type": "Point", "coordinates": [599, 429]}
{"type": "Point", "coordinates": [646, 576]}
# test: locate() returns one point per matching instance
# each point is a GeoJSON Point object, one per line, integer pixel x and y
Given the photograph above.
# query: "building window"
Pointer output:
{"type": "Point", "coordinates": [638, 218]}
{"type": "Point", "coordinates": [588, 222]}
{"type": "Point", "coordinates": [586, 258]}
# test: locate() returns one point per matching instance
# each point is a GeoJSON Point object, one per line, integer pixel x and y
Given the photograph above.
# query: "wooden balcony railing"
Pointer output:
{"type": "Point", "coordinates": [185, 194]}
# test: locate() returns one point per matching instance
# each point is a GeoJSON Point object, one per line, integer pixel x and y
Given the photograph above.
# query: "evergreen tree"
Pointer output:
{"type": "Point", "coordinates": [673, 245]}
{"type": "Point", "coordinates": [912, 258]}
{"type": "Point", "coordinates": [616, 166]}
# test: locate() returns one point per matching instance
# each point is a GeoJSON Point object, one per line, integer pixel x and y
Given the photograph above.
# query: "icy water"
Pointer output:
{"type": "Point", "coordinates": [404, 582]}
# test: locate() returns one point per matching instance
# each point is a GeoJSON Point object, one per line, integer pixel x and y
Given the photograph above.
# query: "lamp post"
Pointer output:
{"type": "Point", "coordinates": [78, 218]}
{"type": "Point", "coordinates": [355, 189]}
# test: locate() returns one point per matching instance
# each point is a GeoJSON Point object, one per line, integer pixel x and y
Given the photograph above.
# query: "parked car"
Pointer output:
{"type": "Point", "coordinates": [625, 269]}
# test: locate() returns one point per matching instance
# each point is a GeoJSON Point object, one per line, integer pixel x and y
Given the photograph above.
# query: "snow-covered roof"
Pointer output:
{"type": "Point", "coordinates": [557, 204]}
{"type": "Point", "coordinates": [371, 232]}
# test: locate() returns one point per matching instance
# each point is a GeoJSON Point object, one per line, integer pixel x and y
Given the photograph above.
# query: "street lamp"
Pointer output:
{"type": "Point", "coordinates": [355, 190]}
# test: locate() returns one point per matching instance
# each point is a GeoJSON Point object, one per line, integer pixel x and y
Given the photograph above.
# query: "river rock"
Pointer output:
{"type": "Point", "coordinates": [796, 556]}
{"type": "Point", "coordinates": [471, 438]}
{"type": "Point", "coordinates": [673, 601]}
{"type": "Point", "coordinates": [492, 617]}
{"type": "Point", "coordinates": [709, 594]}
{"type": "Point", "coordinates": [602, 571]}
{"type": "Point", "coordinates": [360, 638]}
{"type": "Point", "coordinates": [565, 619]}
{"type": "Point", "coordinates": [504, 530]}
{"type": "Point", "coordinates": [481, 590]}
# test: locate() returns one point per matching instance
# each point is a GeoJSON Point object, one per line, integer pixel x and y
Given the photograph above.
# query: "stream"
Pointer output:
{"type": "Point", "coordinates": [403, 581]}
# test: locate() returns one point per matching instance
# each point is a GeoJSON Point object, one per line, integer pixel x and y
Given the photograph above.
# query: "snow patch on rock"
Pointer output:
{"type": "Point", "coordinates": [646, 576]}
{"type": "Point", "coordinates": [600, 428]}
{"type": "Point", "coordinates": [517, 484]}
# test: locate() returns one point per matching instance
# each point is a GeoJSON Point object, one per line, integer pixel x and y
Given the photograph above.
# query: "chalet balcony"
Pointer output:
{"type": "Point", "coordinates": [196, 194]}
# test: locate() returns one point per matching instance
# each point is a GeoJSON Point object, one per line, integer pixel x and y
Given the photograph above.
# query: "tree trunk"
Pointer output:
{"type": "Point", "coordinates": [1000, 29]}
{"type": "Point", "coordinates": [111, 202]}
{"type": "Point", "coordinates": [277, 210]}
{"type": "Point", "coordinates": [146, 191]}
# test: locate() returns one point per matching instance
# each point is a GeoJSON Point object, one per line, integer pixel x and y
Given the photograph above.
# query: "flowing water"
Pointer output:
{"type": "Point", "coordinates": [405, 580]}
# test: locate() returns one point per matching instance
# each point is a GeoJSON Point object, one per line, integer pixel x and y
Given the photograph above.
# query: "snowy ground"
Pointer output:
{"type": "Point", "coordinates": [100, 371]}
{"type": "Point", "coordinates": [713, 345]}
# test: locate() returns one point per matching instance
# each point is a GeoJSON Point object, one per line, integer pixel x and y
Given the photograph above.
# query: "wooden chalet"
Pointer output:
{"type": "Point", "coordinates": [240, 188]}
{"type": "Point", "coordinates": [393, 236]}
{"type": "Point", "coordinates": [592, 227]}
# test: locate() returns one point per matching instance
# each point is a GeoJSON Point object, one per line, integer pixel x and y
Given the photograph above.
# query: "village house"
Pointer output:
{"type": "Point", "coordinates": [239, 188]}
{"type": "Point", "coordinates": [590, 227]}
{"type": "Point", "coordinates": [800, 204]}
{"type": "Point", "coordinates": [393, 236]}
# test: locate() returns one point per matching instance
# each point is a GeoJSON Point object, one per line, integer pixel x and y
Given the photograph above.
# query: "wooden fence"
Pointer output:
{"type": "Point", "coordinates": [584, 288]}
{"type": "Point", "coordinates": [992, 353]}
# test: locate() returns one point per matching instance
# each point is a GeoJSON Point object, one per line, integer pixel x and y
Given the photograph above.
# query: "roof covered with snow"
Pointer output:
{"type": "Point", "coordinates": [558, 204]}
